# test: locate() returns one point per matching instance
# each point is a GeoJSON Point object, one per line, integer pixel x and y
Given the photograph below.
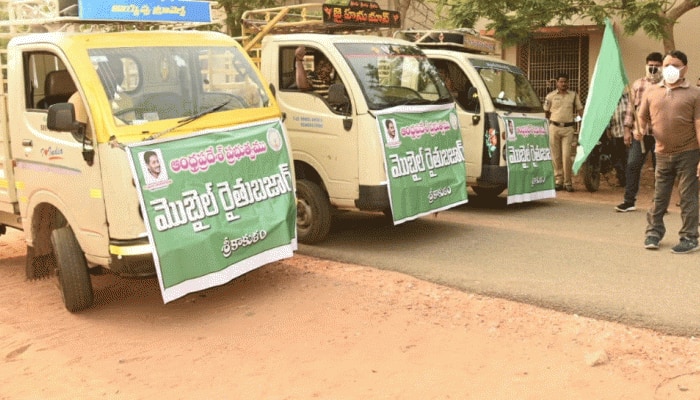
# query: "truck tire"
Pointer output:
{"type": "Point", "coordinates": [73, 275]}
{"type": "Point", "coordinates": [313, 212]}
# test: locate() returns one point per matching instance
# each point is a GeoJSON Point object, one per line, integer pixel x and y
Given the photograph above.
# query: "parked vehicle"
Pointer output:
{"type": "Point", "coordinates": [336, 130]}
{"type": "Point", "coordinates": [602, 160]}
{"type": "Point", "coordinates": [487, 89]}
{"type": "Point", "coordinates": [71, 104]}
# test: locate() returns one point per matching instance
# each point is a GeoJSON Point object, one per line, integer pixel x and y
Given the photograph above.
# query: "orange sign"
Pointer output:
{"type": "Point", "coordinates": [361, 13]}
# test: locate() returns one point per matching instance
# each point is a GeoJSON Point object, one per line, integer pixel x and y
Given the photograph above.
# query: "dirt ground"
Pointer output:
{"type": "Point", "coordinates": [307, 328]}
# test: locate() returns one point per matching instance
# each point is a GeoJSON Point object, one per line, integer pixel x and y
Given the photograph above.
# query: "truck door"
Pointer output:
{"type": "Point", "coordinates": [314, 124]}
{"type": "Point", "coordinates": [50, 166]}
{"type": "Point", "coordinates": [469, 110]}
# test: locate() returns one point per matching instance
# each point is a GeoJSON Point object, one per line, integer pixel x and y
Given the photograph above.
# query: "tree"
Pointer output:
{"type": "Point", "coordinates": [235, 8]}
{"type": "Point", "coordinates": [402, 7]}
{"type": "Point", "coordinates": [513, 21]}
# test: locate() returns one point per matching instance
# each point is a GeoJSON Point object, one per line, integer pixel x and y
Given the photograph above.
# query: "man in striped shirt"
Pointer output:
{"type": "Point", "coordinates": [638, 150]}
{"type": "Point", "coordinates": [616, 134]}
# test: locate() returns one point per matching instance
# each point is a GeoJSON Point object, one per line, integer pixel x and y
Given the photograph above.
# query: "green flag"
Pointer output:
{"type": "Point", "coordinates": [609, 81]}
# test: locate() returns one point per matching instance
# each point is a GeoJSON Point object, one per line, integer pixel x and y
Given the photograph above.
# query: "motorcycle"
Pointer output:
{"type": "Point", "coordinates": [602, 160]}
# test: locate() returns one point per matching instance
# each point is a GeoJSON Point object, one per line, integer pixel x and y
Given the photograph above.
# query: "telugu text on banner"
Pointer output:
{"type": "Point", "coordinates": [424, 160]}
{"type": "Point", "coordinates": [217, 205]}
{"type": "Point", "coordinates": [530, 170]}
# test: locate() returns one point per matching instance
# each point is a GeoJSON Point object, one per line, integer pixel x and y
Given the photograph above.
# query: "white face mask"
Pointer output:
{"type": "Point", "coordinates": [672, 74]}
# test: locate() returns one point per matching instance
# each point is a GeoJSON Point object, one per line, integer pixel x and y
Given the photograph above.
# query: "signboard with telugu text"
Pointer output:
{"type": "Point", "coordinates": [424, 160]}
{"type": "Point", "coordinates": [145, 10]}
{"type": "Point", "coordinates": [362, 13]}
{"type": "Point", "coordinates": [217, 205]}
{"type": "Point", "coordinates": [530, 170]}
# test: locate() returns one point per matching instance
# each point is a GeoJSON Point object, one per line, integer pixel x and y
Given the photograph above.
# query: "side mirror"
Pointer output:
{"type": "Point", "coordinates": [340, 102]}
{"type": "Point", "coordinates": [337, 97]}
{"type": "Point", "coordinates": [62, 118]}
{"type": "Point", "coordinates": [273, 90]}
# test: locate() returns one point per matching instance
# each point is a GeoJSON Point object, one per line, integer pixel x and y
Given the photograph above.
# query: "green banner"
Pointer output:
{"type": "Point", "coordinates": [217, 204]}
{"type": "Point", "coordinates": [530, 170]}
{"type": "Point", "coordinates": [608, 83]}
{"type": "Point", "coordinates": [424, 160]}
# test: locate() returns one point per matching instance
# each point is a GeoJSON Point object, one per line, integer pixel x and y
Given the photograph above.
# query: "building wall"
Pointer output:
{"type": "Point", "coordinates": [635, 48]}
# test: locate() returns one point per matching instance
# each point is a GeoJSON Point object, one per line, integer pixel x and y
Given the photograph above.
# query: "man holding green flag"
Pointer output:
{"type": "Point", "coordinates": [609, 81]}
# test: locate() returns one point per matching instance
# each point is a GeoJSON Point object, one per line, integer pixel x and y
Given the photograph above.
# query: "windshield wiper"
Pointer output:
{"type": "Point", "coordinates": [189, 119]}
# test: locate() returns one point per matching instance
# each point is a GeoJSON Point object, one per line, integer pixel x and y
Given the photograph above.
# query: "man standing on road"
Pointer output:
{"type": "Point", "coordinates": [638, 150]}
{"type": "Point", "coordinates": [672, 110]}
{"type": "Point", "coordinates": [563, 109]}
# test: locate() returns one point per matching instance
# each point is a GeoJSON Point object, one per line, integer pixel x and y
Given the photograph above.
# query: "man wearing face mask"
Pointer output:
{"type": "Point", "coordinates": [638, 150]}
{"type": "Point", "coordinates": [671, 109]}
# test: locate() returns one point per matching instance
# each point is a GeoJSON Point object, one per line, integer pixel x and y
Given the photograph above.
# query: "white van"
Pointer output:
{"type": "Point", "coordinates": [337, 129]}
{"type": "Point", "coordinates": [488, 91]}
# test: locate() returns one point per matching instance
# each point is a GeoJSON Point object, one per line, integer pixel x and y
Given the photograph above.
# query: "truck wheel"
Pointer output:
{"type": "Point", "coordinates": [72, 271]}
{"type": "Point", "coordinates": [591, 175]}
{"type": "Point", "coordinates": [488, 192]}
{"type": "Point", "coordinates": [313, 212]}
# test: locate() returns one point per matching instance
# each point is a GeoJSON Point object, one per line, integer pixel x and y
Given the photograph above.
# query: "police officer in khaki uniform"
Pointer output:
{"type": "Point", "coordinates": [563, 108]}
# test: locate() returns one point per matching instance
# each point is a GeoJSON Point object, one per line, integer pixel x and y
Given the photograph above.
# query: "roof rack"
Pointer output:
{"type": "Point", "coordinates": [463, 39]}
{"type": "Point", "coordinates": [356, 17]}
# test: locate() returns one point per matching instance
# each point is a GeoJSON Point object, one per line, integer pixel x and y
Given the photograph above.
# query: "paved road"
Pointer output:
{"type": "Point", "coordinates": [566, 254]}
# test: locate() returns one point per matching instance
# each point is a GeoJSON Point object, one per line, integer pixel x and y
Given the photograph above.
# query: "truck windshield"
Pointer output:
{"type": "Point", "coordinates": [392, 75]}
{"type": "Point", "coordinates": [146, 84]}
{"type": "Point", "coordinates": [508, 86]}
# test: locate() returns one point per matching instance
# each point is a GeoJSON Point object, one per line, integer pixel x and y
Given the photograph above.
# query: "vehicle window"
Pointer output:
{"type": "Point", "coordinates": [318, 76]}
{"type": "Point", "coordinates": [47, 81]}
{"type": "Point", "coordinates": [146, 84]}
{"type": "Point", "coordinates": [508, 87]}
{"type": "Point", "coordinates": [458, 84]}
{"type": "Point", "coordinates": [392, 75]}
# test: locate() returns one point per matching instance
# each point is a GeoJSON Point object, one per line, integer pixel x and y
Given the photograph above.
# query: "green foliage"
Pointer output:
{"type": "Point", "coordinates": [513, 21]}
{"type": "Point", "coordinates": [235, 9]}
{"type": "Point", "coordinates": [645, 15]}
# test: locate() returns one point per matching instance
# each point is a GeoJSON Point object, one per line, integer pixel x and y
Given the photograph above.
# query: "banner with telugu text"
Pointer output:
{"type": "Point", "coordinates": [424, 160]}
{"type": "Point", "coordinates": [530, 170]}
{"type": "Point", "coordinates": [217, 205]}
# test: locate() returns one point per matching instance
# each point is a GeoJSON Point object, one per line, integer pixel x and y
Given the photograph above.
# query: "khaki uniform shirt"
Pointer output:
{"type": "Point", "coordinates": [561, 106]}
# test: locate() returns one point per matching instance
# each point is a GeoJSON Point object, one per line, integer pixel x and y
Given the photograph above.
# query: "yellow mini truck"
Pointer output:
{"type": "Point", "coordinates": [73, 102]}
